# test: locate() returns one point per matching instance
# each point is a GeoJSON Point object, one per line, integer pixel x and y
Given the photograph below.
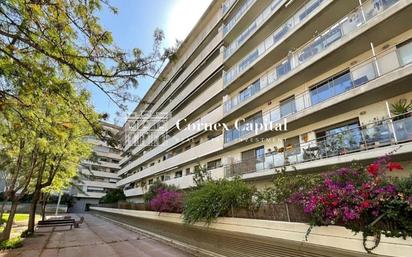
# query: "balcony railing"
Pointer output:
{"type": "Point", "coordinates": [360, 138]}
{"type": "Point", "coordinates": [262, 18]}
{"type": "Point", "coordinates": [242, 10]}
{"type": "Point", "coordinates": [356, 76]}
{"type": "Point", "coordinates": [314, 47]}
{"type": "Point", "coordinates": [227, 5]}
{"type": "Point", "coordinates": [351, 22]}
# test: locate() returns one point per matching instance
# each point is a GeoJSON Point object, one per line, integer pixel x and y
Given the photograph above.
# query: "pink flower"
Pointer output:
{"type": "Point", "coordinates": [373, 169]}
{"type": "Point", "coordinates": [394, 166]}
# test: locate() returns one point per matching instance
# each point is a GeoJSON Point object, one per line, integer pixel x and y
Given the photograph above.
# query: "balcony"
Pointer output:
{"type": "Point", "coordinates": [355, 77]}
{"type": "Point", "coordinates": [210, 118]}
{"type": "Point", "coordinates": [360, 142]}
{"type": "Point", "coordinates": [227, 5]}
{"type": "Point", "coordinates": [242, 10]}
{"type": "Point", "coordinates": [304, 14]}
{"type": "Point", "coordinates": [133, 192]}
{"type": "Point", "coordinates": [188, 72]}
{"type": "Point", "coordinates": [253, 27]}
{"type": "Point", "coordinates": [201, 100]}
{"type": "Point", "coordinates": [202, 150]}
{"type": "Point", "coordinates": [103, 164]}
{"type": "Point", "coordinates": [183, 182]}
{"type": "Point", "coordinates": [98, 173]}
{"type": "Point", "coordinates": [315, 47]}
{"type": "Point", "coordinates": [197, 81]}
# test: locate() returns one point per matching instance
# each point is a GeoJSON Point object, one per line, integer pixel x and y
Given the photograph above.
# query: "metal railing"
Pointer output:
{"type": "Point", "coordinates": [351, 22]}
{"type": "Point", "coordinates": [356, 76]}
{"type": "Point", "coordinates": [262, 18]}
{"type": "Point", "coordinates": [242, 10]}
{"type": "Point", "coordinates": [271, 78]}
{"type": "Point", "coordinates": [386, 132]}
{"type": "Point", "coordinates": [227, 5]}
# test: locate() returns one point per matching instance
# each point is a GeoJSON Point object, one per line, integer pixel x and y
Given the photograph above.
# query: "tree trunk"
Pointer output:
{"type": "Point", "coordinates": [43, 206]}
{"type": "Point", "coordinates": [2, 209]}
{"type": "Point", "coordinates": [32, 212]}
{"type": "Point", "coordinates": [5, 235]}
{"type": "Point", "coordinates": [287, 211]}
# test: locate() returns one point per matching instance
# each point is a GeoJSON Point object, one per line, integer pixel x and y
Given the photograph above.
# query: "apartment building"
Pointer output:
{"type": "Point", "coordinates": [97, 175]}
{"type": "Point", "coordinates": [330, 69]}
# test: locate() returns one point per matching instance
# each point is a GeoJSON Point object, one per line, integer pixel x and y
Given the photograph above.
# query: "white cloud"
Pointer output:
{"type": "Point", "coordinates": [182, 18]}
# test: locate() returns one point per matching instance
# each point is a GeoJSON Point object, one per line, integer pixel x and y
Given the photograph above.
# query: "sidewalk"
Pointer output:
{"type": "Point", "coordinates": [94, 238]}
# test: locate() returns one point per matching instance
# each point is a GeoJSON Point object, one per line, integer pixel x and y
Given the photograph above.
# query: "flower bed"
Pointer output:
{"type": "Point", "coordinates": [361, 199]}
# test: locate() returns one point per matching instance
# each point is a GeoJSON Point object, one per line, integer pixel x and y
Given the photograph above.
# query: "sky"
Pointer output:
{"type": "Point", "coordinates": [133, 27]}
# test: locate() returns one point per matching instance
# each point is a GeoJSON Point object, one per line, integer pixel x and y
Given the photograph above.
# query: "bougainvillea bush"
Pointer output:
{"type": "Point", "coordinates": [362, 199]}
{"type": "Point", "coordinates": [167, 201]}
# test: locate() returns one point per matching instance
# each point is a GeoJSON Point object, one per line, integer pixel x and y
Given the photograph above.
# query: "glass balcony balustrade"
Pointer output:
{"type": "Point", "coordinates": [242, 10]}
{"type": "Point", "coordinates": [351, 22]}
{"type": "Point", "coordinates": [356, 76]}
{"type": "Point", "coordinates": [299, 17]}
{"type": "Point", "coordinates": [227, 5]}
{"type": "Point", "coordinates": [262, 18]}
{"type": "Point", "coordinates": [317, 46]}
{"type": "Point", "coordinates": [353, 139]}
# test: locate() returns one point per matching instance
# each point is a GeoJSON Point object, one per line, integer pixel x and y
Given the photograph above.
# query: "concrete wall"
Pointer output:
{"type": "Point", "coordinates": [331, 236]}
{"type": "Point", "coordinates": [81, 203]}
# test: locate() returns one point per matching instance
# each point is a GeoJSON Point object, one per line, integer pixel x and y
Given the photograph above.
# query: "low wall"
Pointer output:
{"type": "Point", "coordinates": [330, 236]}
{"type": "Point", "coordinates": [25, 207]}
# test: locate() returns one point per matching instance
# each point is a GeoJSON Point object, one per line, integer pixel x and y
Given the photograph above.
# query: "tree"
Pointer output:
{"type": "Point", "coordinates": [64, 36]}
{"type": "Point", "coordinates": [50, 52]}
{"type": "Point", "coordinates": [113, 196]}
{"type": "Point", "coordinates": [43, 143]}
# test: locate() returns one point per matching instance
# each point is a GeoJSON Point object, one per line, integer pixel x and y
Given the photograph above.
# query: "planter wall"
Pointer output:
{"type": "Point", "coordinates": [331, 236]}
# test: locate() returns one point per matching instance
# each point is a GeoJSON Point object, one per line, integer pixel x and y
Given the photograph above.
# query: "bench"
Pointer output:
{"type": "Point", "coordinates": [55, 225]}
{"type": "Point", "coordinates": [60, 222]}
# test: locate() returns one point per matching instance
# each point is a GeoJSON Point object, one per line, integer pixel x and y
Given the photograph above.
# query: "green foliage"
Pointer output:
{"type": "Point", "coordinates": [287, 184]}
{"type": "Point", "coordinates": [201, 175]}
{"type": "Point", "coordinates": [154, 189]}
{"type": "Point", "coordinates": [113, 196]}
{"type": "Point", "coordinates": [12, 243]}
{"type": "Point", "coordinates": [401, 107]}
{"type": "Point", "coordinates": [65, 38]}
{"type": "Point", "coordinates": [216, 198]}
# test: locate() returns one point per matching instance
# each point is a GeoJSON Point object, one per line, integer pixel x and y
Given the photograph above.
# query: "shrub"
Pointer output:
{"type": "Point", "coordinates": [12, 243]}
{"type": "Point", "coordinates": [167, 201]}
{"type": "Point", "coordinates": [216, 198]}
{"type": "Point", "coordinates": [363, 200]}
{"type": "Point", "coordinates": [113, 196]}
{"type": "Point", "coordinates": [154, 189]}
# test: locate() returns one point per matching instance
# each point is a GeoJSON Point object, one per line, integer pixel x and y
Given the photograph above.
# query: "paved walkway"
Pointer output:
{"type": "Point", "coordinates": [95, 237]}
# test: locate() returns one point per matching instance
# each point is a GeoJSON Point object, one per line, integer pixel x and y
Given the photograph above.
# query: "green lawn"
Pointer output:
{"type": "Point", "coordinates": [19, 217]}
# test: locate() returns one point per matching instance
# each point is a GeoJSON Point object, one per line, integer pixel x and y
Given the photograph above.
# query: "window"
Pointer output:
{"type": "Point", "coordinates": [187, 171]}
{"type": "Point", "coordinates": [249, 91]}
{"type": "Point", "coordinates": [150, 181]}
{"type": "Point", "coordinates": [287, 107]}
{"type": "Point", "coordinates": [283, 68]}
{"type": "Point", "coordinates": [405, 52]}
{"type": "Point", "coordinates": [340, 138]}
{"type": "Point", "coordinates": [95, 189]}
{"type": "Point", "coordinates": [292, 146]}
{"type": "Point", "coordinates": [214, 164]}
{"type": "Point", "coordinates": [333, 86]}
{"type": "Point", "coordinates": [178, 174]}
{"type": "Point", "coordinates": [253, 153]}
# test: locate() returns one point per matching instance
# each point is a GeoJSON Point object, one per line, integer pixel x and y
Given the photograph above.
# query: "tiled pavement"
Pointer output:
{"type": "Point", "coordinates": [94, 238]}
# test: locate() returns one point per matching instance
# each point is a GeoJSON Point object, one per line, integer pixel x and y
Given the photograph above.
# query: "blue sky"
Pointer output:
{"type": "Point", "coordinates": [133, 27]}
